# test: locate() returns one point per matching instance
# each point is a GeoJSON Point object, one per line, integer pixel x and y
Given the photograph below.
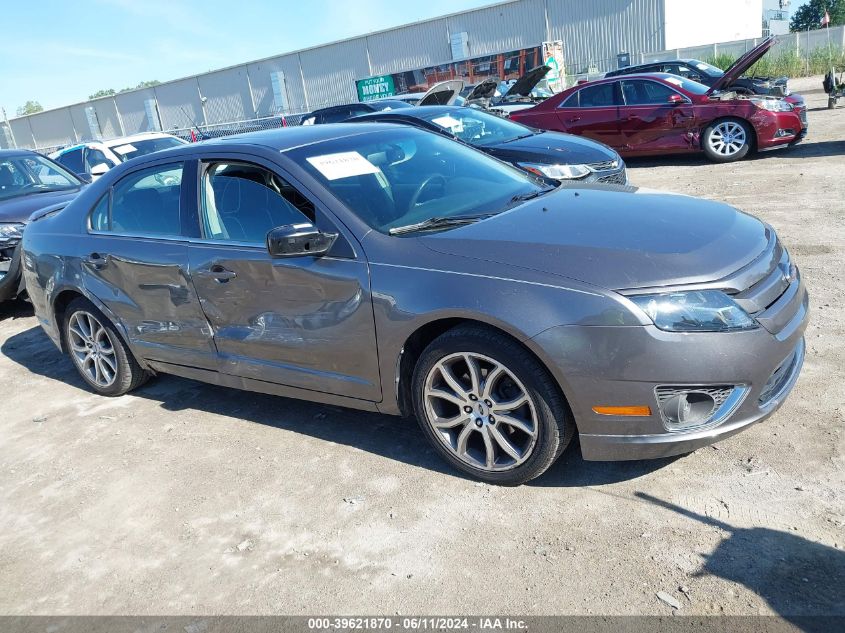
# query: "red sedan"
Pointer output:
{"type": "Point", "coordinates": [656, 114]}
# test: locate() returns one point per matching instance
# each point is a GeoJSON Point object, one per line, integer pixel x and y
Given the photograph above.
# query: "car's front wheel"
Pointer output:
{"type": "Point", "coordinates": [489, 407]}
{"type": "Point", "coordinates": [98, 352]}
{"type": "Point", "coordinates": [727, 140]}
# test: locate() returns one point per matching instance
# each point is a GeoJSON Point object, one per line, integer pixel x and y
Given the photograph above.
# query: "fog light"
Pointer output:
{"type": "Point", "coordinates": [783, 133]}
{"type": "Point", "coordinates": [684, 408]}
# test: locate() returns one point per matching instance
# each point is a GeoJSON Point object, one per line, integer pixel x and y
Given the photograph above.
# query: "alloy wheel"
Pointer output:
{"type": "Point", "coordinates": [92, 349]}
{"type": "Point", "coordinates": [480, 411]}
{"type": "Point", "coordinates": [727, 138]}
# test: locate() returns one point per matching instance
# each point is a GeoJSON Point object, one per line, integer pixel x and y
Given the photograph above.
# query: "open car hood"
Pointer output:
{"type": "Point", "coordinates": [442, 93]}
{"type": "Point", "coordinates": [485, 90]}
{"type": "Point", "coordinates": [738, 68]}
{"type": "Point", "coordinates": [524, 85]}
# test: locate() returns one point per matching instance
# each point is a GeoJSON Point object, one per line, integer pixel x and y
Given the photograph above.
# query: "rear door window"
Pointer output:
{"type": "Point", "coordinates": [600, 96]}
{"type": "Point", "coordinates": [145, 202]}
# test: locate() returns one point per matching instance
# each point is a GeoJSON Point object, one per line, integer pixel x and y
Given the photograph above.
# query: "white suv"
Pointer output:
{"type": "Point", "coordinates": [95, 158]}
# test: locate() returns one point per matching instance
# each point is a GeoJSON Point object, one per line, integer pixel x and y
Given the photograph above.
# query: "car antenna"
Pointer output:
{"type": "Point", "coordinates": [193, 122]}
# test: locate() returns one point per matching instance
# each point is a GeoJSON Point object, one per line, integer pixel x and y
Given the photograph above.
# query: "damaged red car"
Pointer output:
{"type": "Point", "coordinates": [658, 114]}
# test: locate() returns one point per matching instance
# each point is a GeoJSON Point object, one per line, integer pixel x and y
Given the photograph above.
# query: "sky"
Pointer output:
{"type": "Point", "coordinates": [58, 52]}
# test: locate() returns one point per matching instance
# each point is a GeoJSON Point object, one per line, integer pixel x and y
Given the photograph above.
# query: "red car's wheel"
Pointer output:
{"type": "Point", "coordinates": [727, 140]}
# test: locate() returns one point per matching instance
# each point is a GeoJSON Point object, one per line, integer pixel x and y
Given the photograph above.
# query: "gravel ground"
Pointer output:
{"type": "Point", "coordinates": [190, 499]}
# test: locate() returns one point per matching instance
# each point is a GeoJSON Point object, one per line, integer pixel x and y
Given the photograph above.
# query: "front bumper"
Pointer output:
{"type": "Point", "coordinates": [10, 272]}
{"type": "Point", "coordinates": [616, 366]}
{"type": "Point", "coordinates": [779, 129]}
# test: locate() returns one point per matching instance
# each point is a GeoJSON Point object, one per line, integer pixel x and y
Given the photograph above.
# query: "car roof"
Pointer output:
{"type": "Point", "coordinates": [143, 136]}
{"type": "Point", "coordinates": [9, 153]}
{"type": "Point", "coordinates": [662, 76]}
{"type": "Point", "coordinates": [284, 139]}
{"type": "Point", "coordinates": [416, 113]}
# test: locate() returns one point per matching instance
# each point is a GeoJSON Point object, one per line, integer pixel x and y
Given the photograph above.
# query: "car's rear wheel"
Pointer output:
{"type": "Point", "coordinates": [98, 352]}
{"type": "Point", "coordinates": [489, 407]}
{"type": "Point", "coordinates": [727, 140]}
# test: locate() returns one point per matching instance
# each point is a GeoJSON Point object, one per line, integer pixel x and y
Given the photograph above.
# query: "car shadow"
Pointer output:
{"type": "Point", "coordinates": [15, 309]}
{"type": "Point", "coordinates": [801, 580]}
{"type": "Point", "coordinates": [395, 438]}
{"type": "Point", "coordinates": [804, 149]}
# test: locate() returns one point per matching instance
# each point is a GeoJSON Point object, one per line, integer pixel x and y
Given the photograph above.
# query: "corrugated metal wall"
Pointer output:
{"type": "Point", "coordinates": [503, 27]}
{"type": "Point", "coordinates": [179, 104]}
{"type": "Point", "coordinates": [409, 48]}
{"type": "Point", "coordinates": [330, 71]}
{"type": "Point", "coordinates": [594, 32]}
{"type": "Point", "coordinates": [227, 95]}
{"type": "Point", "coordinates": [132, 112]}
{"type": "Point", "coordinates": [262, 89]}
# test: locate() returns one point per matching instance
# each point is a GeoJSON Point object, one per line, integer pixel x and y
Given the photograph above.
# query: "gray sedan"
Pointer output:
{"type": "Point", "coordinates": [389, 269]}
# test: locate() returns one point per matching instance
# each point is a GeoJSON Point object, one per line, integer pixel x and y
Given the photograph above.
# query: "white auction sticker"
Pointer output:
{"type": "Point", "coordinates": [124, 149]}
{"type": "Point", "coordinates": [343, 165]}
{"type": "Point", "coordinates": [450, 123]}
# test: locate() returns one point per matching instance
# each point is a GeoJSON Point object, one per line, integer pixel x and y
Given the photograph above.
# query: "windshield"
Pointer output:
{"type": "Point", "coordinates": [477, 127]}
{"type": "Point", "coordinates": [689, 85]}
{"type": "Point", "coordinates": [29, 173]}
{"type": "Point", "coordinates": [403, 176]}
{"type": "Point", "coordinates": [704, 67]}
{"type": "Point", "coordinates": [127, 151]}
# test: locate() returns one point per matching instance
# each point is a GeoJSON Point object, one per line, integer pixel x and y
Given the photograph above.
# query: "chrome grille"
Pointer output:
{"type": "Point", "coordinates": [613, 179]}
{"type": "Point", "coordinates": [604, 166]}
{"type": "Point", "coordinates": [769, 289]}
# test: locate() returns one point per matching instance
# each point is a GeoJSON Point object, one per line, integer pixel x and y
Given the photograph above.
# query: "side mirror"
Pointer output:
{"type": "Point", "coordinates": [86, 178]}
{"type": "Point", "coordinates": [99, 169]}
{"type": "Point", "coordinates": [297, 240]}
{"type": "Point", "coordinates": [676, 99]}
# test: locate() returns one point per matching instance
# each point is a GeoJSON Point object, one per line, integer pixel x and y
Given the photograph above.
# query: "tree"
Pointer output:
{"type": "Point", "coordinates": [143, 84]}
{"type": "Point", "coordinates": [810, 15]}
{"type": "Point", "coordinates": [30, 107]}
{"type": "Point", "coordinates": [108, 92]}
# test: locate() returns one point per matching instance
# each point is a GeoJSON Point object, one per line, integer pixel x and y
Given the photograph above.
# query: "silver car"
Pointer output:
{"type": "Point", "coordinates": [390, 269]}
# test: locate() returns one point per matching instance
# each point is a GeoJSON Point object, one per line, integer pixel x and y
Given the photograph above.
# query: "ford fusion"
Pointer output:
{"type": "Point", "coordinates": [387, 268]}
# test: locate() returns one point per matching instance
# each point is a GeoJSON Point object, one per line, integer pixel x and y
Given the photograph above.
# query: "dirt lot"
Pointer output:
{"type": "Point", "coordinates": [190, 499]}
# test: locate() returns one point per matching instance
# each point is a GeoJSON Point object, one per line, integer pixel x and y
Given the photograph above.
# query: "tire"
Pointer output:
{"type": "Point", "coordinates": [727, 140]}
{"type": "Point", "coordinates": [455, 412]}
{"type": "Point", "coordinates": [98, 352]}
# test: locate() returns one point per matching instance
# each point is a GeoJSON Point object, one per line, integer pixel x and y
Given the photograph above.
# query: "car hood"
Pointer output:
{"type": "Point", "coordinates": [525, 84]}
{"type": "Point", "coordinates": [614, 237]}
{"type": "Point", "coordinates": [19, 209]}
{"type": "Point", "coordinates": [736, 70]}
{"type": "Point", "coordinates": [485, 90]}
{"type": "Point", "coordinates": [554, 148]}
{"type": "Point", "coordinates": [443, 93]}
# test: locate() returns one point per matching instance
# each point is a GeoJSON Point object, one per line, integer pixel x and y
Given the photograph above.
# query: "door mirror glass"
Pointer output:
{"type": "Point", "coordinates": [676, 99]}
{"type": "Point", "coordinates": [99, 169]}
{"type": "Point", "coordinates": [296, 240]}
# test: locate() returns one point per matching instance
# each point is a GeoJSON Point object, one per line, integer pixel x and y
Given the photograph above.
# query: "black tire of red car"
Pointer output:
{"type": "Point", "coordinates": [555, 426]}
{"type": "Point", "coordinates": [727, 158]}
{"type": "Point", "coordinates": [10, 284]}
{"type": "Point", "coordinates": [128, 373]}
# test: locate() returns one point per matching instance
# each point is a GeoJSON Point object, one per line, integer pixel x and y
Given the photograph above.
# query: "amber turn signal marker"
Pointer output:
{"type": "Point", "coordinates": [632, 411]}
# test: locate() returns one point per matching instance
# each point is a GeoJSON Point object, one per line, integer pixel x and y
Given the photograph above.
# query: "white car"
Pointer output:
{"type": "Point", "coordinates": [95, 158]}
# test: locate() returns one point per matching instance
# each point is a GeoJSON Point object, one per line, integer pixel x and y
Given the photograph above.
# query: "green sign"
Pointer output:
{"type": "Point", "coordinates": [375, 88]}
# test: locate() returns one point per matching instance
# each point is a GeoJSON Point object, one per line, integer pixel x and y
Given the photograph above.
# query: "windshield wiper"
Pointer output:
{"type": "Point", "coordinates": [438, 223]}
{"type": "Point", "coordinates": [522, 197]}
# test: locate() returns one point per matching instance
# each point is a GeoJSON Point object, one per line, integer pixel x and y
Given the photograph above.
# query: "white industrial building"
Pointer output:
{"type": "Point", "coordinates": [510, 33]}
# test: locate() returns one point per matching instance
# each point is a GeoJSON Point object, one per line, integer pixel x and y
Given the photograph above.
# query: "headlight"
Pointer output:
{"type": "Point", "coordinates": [10, 233]}
{"type": "Point", "coordinates": [695, 311]}
{"type": "Point", "coordinates": [558, 172]}
{"type": "Point", "coordinates": [773, 105]}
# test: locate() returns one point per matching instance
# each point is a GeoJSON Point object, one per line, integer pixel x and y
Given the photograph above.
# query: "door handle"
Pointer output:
{"type": "Point", "coordinates": [218, 272]}
{"type": "Point", "coordinates": [97, 260]}
{"type": "Point", "coordinates": [574, 119]}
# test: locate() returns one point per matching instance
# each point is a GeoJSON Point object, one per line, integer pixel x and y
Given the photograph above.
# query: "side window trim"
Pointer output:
{"type": "Point", "coordinates": [651, 105]}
